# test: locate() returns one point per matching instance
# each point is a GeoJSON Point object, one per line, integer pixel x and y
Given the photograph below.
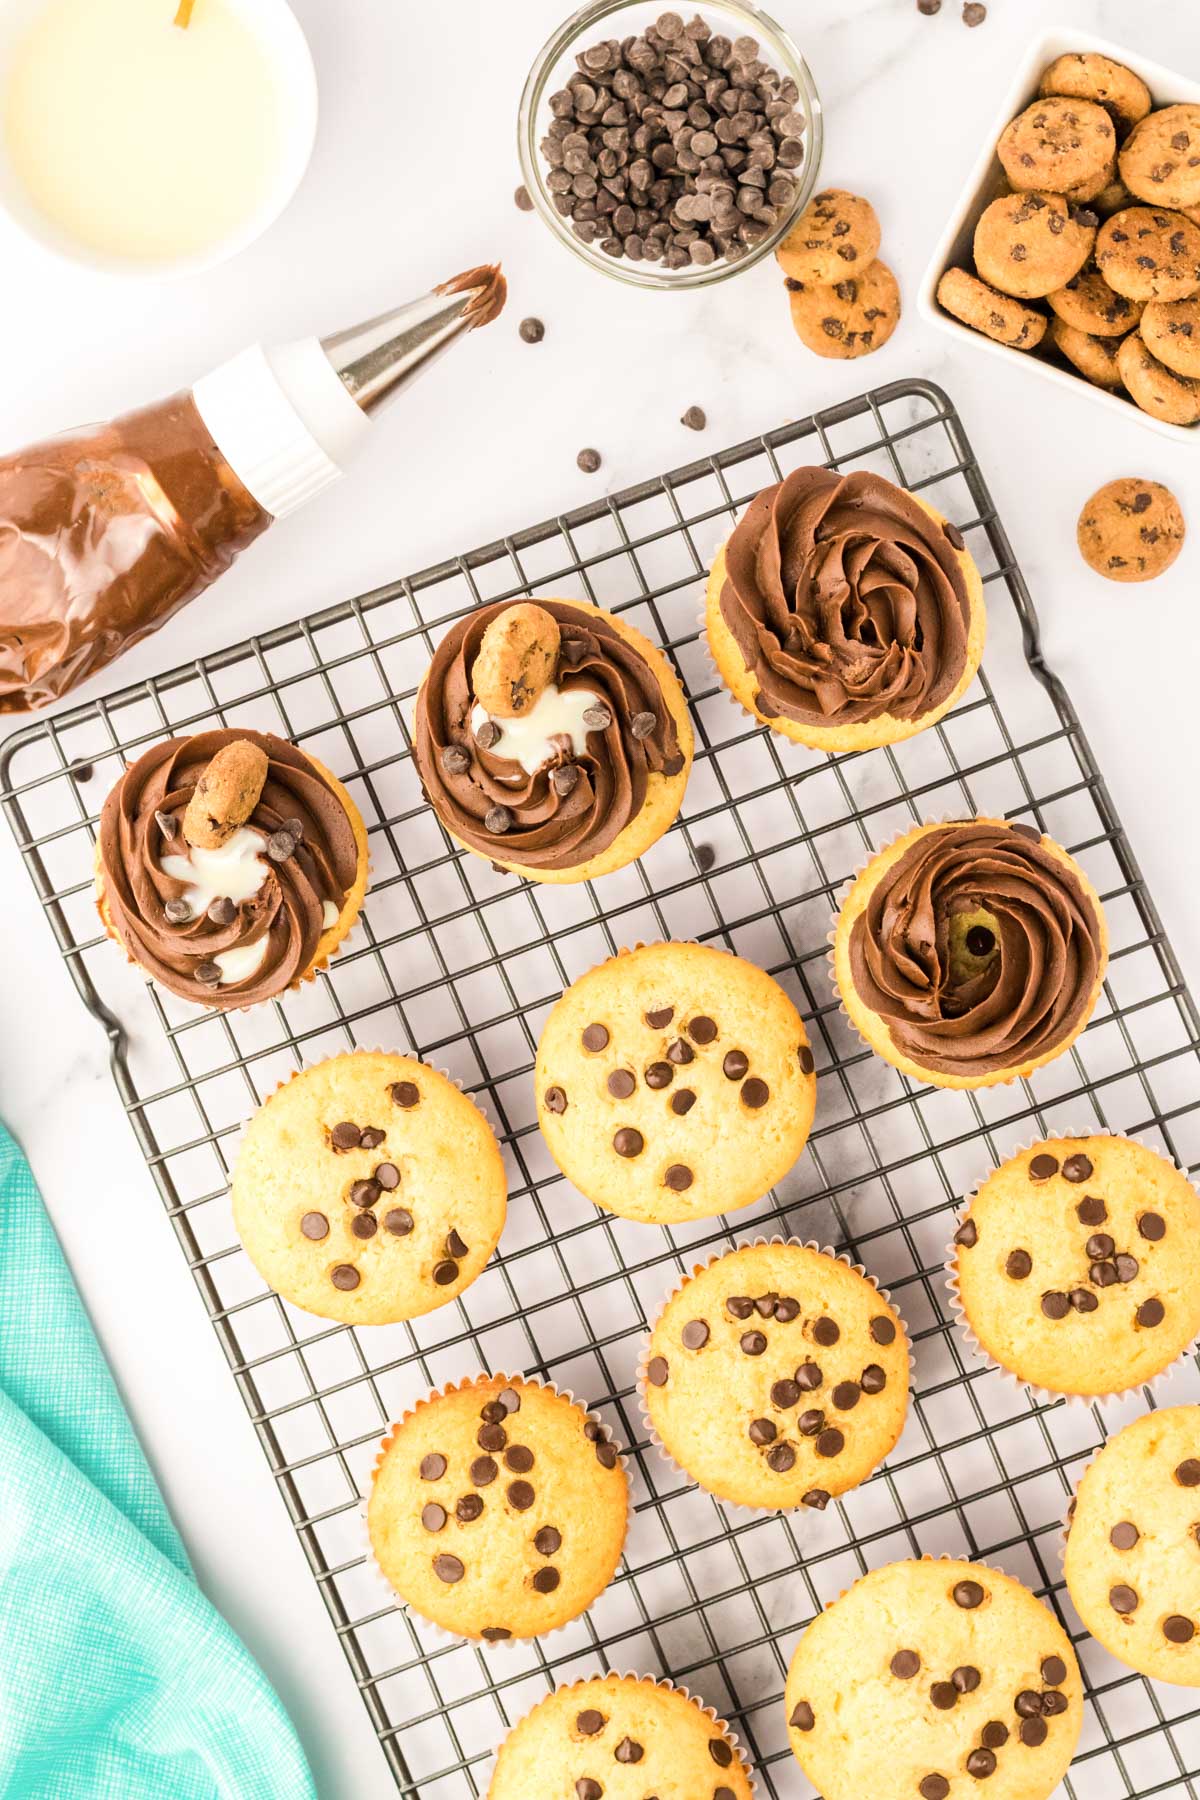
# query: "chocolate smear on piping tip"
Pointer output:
{"type": "Point", "coordinates": [488, 303]}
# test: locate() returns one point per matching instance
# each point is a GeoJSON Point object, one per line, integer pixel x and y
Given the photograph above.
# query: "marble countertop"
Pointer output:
{"type": "Point", "coordinates": [399, 196]}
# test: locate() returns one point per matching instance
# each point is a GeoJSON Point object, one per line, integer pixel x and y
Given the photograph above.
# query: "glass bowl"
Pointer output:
{"type": "Point", "coordinates": [624, 18]}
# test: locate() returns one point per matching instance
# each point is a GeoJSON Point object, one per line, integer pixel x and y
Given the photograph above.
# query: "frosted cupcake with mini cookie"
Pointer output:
{"type": "Point", "coordinates": [552, 739]}
{"type": "Point", "coordinates": [229, 866]}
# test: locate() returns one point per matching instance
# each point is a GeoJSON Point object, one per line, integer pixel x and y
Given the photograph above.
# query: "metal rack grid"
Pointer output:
{"type": "Point", "coordinates": [459, 964]}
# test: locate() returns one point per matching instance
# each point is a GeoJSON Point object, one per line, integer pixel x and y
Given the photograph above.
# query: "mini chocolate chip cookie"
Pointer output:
{"type": "Point", "coordinates": [933, 1679]}
{"type": "Point", "coordinates": [1132, 1566]}
{"type": "Point", "coordinates": [985, 309]}
{"type": "Point", "coordinates": [1160, 160]}
{"type": "Point", "coordinates": [1086, 75]}
{"type": "Point", "coordinates": [1087, 303]}
{"type": "Point", "coordinates": [777, 1376]}
{"type": "Point", "coordinates": [1095, 357]}
{"type": "Point", "coordinates": [498, 1509]}
{"type": "Point", "coordinates": [1171, 331]}
{"type": "Point", "coordinates": [1149, 253]}
{"type": "Point", "coordinates": [1058, 144]}
{"type": "Point", "coordinates": [1158, 390]}
{"type": "Point", "coordinates": [836, 235]}
{"type": "Point", "coordinates": [851, 318]}
{"type": "Point", "coordinates": [1131, 530]}
{"type": "Point", "coordinates": [1029, 244]}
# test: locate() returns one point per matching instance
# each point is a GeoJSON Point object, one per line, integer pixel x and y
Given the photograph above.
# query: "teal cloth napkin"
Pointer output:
{"type": "Point", "coordinates": [118, 1680]}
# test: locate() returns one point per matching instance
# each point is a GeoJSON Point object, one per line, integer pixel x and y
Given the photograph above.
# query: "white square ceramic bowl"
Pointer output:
{"type": "Point", "coordinates": [986, 180]}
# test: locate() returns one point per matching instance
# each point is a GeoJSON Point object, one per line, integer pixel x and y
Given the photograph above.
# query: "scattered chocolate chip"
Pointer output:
{"type": "Point", "coordinates": [1123, 1599]}
{"type": "Point", "coordinates": [448, 1569]}
{"type": "Point", "coordinates": [1152, 1227]}
{"type": "Point", "coordinates": [1053, 1704]}
{"type": "Point", "coordinates": [621, 1084]}
{"type": "Point", "coordinates": [546, 1580]}
{"type": "Point", "coordinates": [1099, 1246]}
{"type": "Point", "coordinates": [803, 1718]}
{"type": "Point", "coordinates": [585, 1787]}
{"type": "Point", "coordinates": [753, 1343]}
{"type": "Point", "coordinates": [281, 845]}
{"type": "Point", "coordinates": [967, 1235]}
{"type": "Point", "coordinates": [548, 1541]}
{"type": "Point", "coordinates": [522, 200]}
{"type": "Point", "coordinates": [739, 1306]}
{"type": "Point", "coordinates": [595, 1037]}
{"type": "Point", "coordinates": [954, 535]}
{"type": "Point", "coordinates": [315, 1225]}
{"type": "Point", "coordinates": [809, 1377]}
{"type": "Point", "coordinates": [787, 1309]}
{"type": "Point", "coordinates": [628, 1142]}
{"type": "Point", "coordinates": [468, 1509]}
{"type": "Point", "coordinates": [433, 1516]}
{"type": "Point", "coordinates": [873, 1380]}
{"type": "Point", "coordinates": [399, 1221]}
{"type": "Point", "coordinates": [222, 911]}
{"type": "Point", "coordinates": [817, 1498]}
{"type": "Point", "coordinates": [660, 1019]}
{"type": "Point", "coordinates": [679, 1178]}
{"type": "Point", "coordinates": [519, 1459]}
{"type": "Point", "coordinates": [556, 1100]}
{"type": "Point", "coordinates": [809, 1423]}
{"type": "Point", "coordinates": [694, 1334]}
{"type": "Point", "coordinates": [364, 1225]}
{"type": "Point", "coordinates": [364, 1193]}
{"type": "Point", "coordinates": [980, 941]}
{"type": "Point", "coordinates": [1027, 1704]}
{"type": "Point", "coordinates": [444, 1273]}
{"type": "Point", "coordinates": [1178, 1630]}
{"type": "Point", "coordinates": [405, 1093]}
{"type": "Point", "coordinates": [721, 1752]}
{"type": "Point", "coordinates": [455, 760]}
{"type": "Point", "coordinates": [433, 1466]}
{"type": "Point", "coordinates": [994, 1735]}
{"type": "Point", "coordinates": [883, 1331]}
{"type": "Point", "coordinates": [588, 461]}
{"type": "Point", "coordinates": [1078, 1168]}
{"type": "Point", "coordinates": [933, 1787]}
{"type": "Point", "coordinates": [968, 1595]}
{"type": "Point", "coordinates": [1033, 1732]}
{"type": "Point", "coordinates": [83, 772]}
{"type": "Point", "coordinates": [597, 718]}
{"type": "Point", "coordinates": [762, 1431]}
{"type": "Point", "coordinates": [628, 1751]}
{"type": "Point", "coordinates": [806, 1060]}
{"type": "Point", "coordinates": [680, 1053]}
{"type": "Point", "coordinates": [755, 1093]}
{"type": "Point", "coordinates": [944, 1695]}
{"type": "Point", "coordinates": [966, 1679]}
{"type": "Point", "coordinates": [208, 974]}
{"type": "Point", "coordinates": [831, 1442]}
{"type": "Point", "coordinates": [785, 1394]}
{"type": "Point", "coordinates": [846, 1395]}
{"type": "Point", "coordinates": [1019, 1265]}
{"type": "Point", "coordinates": [1091, 1211]}
{"type": "Point", "coordinates": [1127, 1268]}
{"type": "Point", "coordinates": [521, 1495]}
{"type": "Point", "coordinates": [386, 1176]}
{"type": "Point", "coordinates": [980, 1763]}
{"type": "Point", "coordinates": [491, 1434]}
{"type": "Point", "coordinates": [498, 820]}
{"type": "Point", "coordinates": [1042, 1167]}
{"type": "Point", "coordinates": [345, 1278]}
{"type": "Point", "coordinates": [1083, 1300]}
{"type": "Point", "coordinates": [683, 1101]}
{"type": "Point", "coordinates": [532, 331]}
{"type": "Point", "coordinates": [488, 735]}
{"type": "Point", "coordinates": [370, 1139]}
{"type": "Point", "coordinates": [565, 779]}
{"type": "Point", "coordinates": [736, 1064]}
{"type": "Point", "coordinates": [483, 1471]}
{"type": "Point", "coordinates": [657, 1370]}
{"type": "Point", "coordinates": [905, 1664]}
{"type": "Point", "coordinates": [495, 1634]}
{"type": "Point", "coordinates": [827, 1331]}
{"type": "Point", "coordinates": [702, 1030]}
{"type": "Point", "coordinates": [1151, 1312]}
{"type": "Point", "coordinates": [1188, 1473]}
{"type": "Point", "coordinates": [177, 912]}
{"type": "Point", "coordinates": [974, 12]}
{"type": "Point", "coordinates": [1055, 1305]}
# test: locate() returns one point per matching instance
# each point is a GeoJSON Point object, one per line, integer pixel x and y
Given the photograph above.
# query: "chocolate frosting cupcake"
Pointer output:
{"type": "Point", "coordinates": [576, 803]}
{"type": "Point", "coordinates": [1009, 990]}
{"type": "Point", "coordinates": [307, 862]}
{"type": "Point", "coordinates": [847, 600]}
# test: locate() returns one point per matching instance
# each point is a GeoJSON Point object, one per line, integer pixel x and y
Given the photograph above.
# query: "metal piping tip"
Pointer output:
{"type": "Point", "coordinates": [376, 359]}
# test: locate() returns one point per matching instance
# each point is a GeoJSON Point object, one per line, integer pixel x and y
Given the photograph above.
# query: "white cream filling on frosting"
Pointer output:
{"type": "Point", "coordinates": [242, 961]}
{"type": "Point", "coordinates": [556, 712]}
{"type": "Point", "coordinates": [234, 872]}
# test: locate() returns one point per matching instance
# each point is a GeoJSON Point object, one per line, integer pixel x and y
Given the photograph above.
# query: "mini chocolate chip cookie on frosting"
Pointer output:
{"type": "Point", "coordinates": [1077, 1265]}
{"type": "Point", "coordinates": [777, 1376]}
{"type": "Point", "coordinates": [674, 1082]}
{"type": "Point", "coordinates": [844, 612]}
{"type": "Point", "coordinates": [926, 1681]}
{"type": "Point", "coordinates": [229, 866]}
{"type": "Point", "coordinates": [552, 739]}
{"type": "Point", "coordinates": [498, 1509]}
{"type": "Point", "coordinates": [1133, 1546]}
{"type": "Point", "coordinates": [620, 1737]}
{"type": "Point", "coordinates": [369, 1189]}
{"type": "Point", "coordinates": [970, 952]}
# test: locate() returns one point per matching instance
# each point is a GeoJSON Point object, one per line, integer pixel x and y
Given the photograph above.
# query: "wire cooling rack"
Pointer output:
{"type": "Point", "coordinates": [459, 964]}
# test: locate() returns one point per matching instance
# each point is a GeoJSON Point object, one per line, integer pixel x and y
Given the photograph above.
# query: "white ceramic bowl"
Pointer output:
{"type": "Point", "coordinates": [986, 180]}
{"type": "Point", "coordinates": [278, 30]}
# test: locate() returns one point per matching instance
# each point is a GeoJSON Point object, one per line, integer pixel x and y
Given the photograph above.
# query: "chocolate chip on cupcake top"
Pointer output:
{"type": "Point", "coordinates": [777, 1376]}
{"type": "Point", "coordinates": [620, 1737]}
{"type": "Point", "coordinates": [498, 1509]}
{"type": "Point", "coordinates": [978, 945]}
{"type": "Point", "coordinates": [1133, 1548]}
{"type": "Point", "coordinates": [846, 600]}
{"type": "Point", "coordinates": [1077, 1264]}
{"type": "Point", "coordinates": [674, 1082]}
{"type": "Point", "coordinates": [928, 1671]}
{"type": "Point", "coordinates": [537, 730]}
{"type": "Point", "coordinates": [223, 860]}
{"type": "Point", "coordinates": [342, 1188]}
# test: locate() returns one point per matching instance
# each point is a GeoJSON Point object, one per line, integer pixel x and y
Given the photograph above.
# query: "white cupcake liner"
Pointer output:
{"type": "Point", "coordinates": [488, 1768]}
{"type": "Point", "coordinates": [232, 1145]}
{"type": "Point", "coordinates": [759, 1243]}
{"type": "Point", "coordinates": [1020, 1385]}
{"type": "Point", "coordinates": [947, 1084]}
{"type": "Point", "coordinates": [388, 1595]}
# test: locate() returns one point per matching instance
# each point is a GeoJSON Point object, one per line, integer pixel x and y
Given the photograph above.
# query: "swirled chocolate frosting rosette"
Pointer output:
{"type": "Point", "coordinates": [552, 739]}
{"type": "Point", "coordinates": [971, 952]}
{"type": "Point", "coordinates": [229, 866]}
{"type": "Point", "coordinates": [844, 612]}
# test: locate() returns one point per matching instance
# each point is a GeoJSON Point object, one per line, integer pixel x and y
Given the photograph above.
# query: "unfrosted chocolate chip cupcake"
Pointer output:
{"type": "Point", "coordinates": [927, 1679]}
{"type": "Point", "coordinates": [1077, 1265]}
{"type": "Point", "coordinates": [1133, 1548]}
{"type": "Point", "coordinates": [777, 1377]}
{"type": "Point", "coordinates": [844, 612]}
{"type": "Point", "coordinates": [369, 1189]}
{"type": "Point", "coordinates": [970, 952]}
{"type": "Point", "coordinates": [553, 739]}
{"type": "Point", "coordinates": [229, 866]}
{"type": "Point", "coordinates": [498, 1509]}
{"type": "Point", "coordinates": [620, 1737]}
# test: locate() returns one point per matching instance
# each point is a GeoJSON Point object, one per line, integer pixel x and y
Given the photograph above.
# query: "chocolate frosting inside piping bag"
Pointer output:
{"type": "Point", "coordinates": [1030, 996]}
{"type": "Point", "coordinates": [289, 907]}
{"type": "Point", "coordinates": [549, 829]}
{"type": "Point", "coordinates": [846, 599]}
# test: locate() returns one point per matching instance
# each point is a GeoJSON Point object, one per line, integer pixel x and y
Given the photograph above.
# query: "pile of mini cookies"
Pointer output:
{"type": "Point", "coordinates": [845, 302]}
{"type": "Point", "coordinates": [1094, 251]}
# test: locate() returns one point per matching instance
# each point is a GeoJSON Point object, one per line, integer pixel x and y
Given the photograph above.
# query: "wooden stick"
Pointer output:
{"type": "Point", "coordinates": [183, 17]}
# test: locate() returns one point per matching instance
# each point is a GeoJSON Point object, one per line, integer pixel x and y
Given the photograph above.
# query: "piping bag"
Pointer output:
{"type": "Point", "coordinates": [106, 532]}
